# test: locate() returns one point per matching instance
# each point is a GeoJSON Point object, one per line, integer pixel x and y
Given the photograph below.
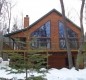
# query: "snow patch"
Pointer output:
{"type": "Point", "coordinates": [53, 74]}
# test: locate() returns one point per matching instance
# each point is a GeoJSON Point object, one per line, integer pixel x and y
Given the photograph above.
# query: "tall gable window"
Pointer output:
{"type": "Point", "coordinates": [41, 37]}
{"type": "Point", "coordinates": [71, 35]}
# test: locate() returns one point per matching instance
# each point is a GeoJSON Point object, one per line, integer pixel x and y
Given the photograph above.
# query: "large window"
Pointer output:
{"type": "Point", "coordinates": [41, 37]}
{"type": "Point", "coordinates": [71, 35]}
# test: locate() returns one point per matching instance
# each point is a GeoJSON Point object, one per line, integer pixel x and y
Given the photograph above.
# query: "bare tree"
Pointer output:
{"type": "Point", "coordinates": [82, 34]}
{"type": "Point", "coordinates": [1, 5]}
{"type": "Point", "coordinates": [66, 37]}
{"type": "Point", "coordinates": [22, 21]}
{"type": "Point", "coordinates": [2, 2]}
{"type": "Point", "coordinates": [15, 25]}
{"type": "Point", "coordinates": [1, 33]}
{"type": "Point", "coordinates": [8, 8]}
{"type": "Point", "coordinates": [5, 16]}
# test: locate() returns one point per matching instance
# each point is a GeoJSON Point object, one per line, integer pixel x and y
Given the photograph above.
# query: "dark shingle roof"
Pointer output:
{"type": "Point", "coordinates": [53, 10]}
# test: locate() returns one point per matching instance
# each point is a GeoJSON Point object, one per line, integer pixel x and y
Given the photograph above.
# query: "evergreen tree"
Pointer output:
{"type": "Point", "coordinates": [32, 60]}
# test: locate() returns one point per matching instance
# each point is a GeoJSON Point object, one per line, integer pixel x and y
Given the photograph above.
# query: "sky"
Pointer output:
{"type": "Point", "coordinates": [37, 8]}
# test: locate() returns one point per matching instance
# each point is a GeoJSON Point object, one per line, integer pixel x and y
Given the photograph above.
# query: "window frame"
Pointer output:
{"type": "Point", "coordinates": [45, 37]}
{"type": "Point", "coordinates": [63, 38]}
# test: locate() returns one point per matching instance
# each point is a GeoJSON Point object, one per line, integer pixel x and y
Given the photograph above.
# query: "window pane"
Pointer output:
{"type": "Point", "coordinates": [61, 29]}
{"type": "Point", "coordinates": [62, 43]}
{"type": "Point", "coordinates": [43, 31]}
{"type": "Point", "coordinates": [47, 26]}
{"type": "Point", "coordinates": [71, 33]}
{"type": "Point", "coordinates": [72, 36]}
{"type": "Point", "coordinates": [73, 43]}
{"type": "Point", "coordinates": [61, 35]}
{"type": "Point", "coordinates": [41, 43]}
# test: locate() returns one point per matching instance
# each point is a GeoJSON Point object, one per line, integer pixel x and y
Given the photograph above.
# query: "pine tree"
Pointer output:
{"type": "Point", "coordinates": [31, 60]}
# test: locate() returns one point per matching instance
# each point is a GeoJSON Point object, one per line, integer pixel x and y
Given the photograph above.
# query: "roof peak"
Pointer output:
{"type": "Point", "coordinates": [53, 10]}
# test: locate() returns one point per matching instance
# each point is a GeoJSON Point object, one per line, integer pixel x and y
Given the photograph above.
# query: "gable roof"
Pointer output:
{"type": "Point", "coordinates": [53, 10]}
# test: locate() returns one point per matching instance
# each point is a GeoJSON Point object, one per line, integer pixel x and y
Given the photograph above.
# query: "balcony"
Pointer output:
{"type": "Point", "coordinates": [20, 46]}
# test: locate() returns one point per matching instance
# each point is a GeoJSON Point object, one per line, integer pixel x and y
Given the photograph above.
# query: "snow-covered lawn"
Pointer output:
{"type": "Point", "coordinates": [53, 74]}
{"type": "Point", "coordinates": [66, 74]}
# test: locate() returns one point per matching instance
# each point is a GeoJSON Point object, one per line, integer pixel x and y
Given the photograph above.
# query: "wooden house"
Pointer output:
{"type": "Point", "coordinates": [48, 32]}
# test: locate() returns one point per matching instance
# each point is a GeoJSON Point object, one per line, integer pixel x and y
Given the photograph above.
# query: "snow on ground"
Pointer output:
{"type": "Point", "coordinates": [66, 74]}
{"type": "Point", "coordinates": [53, 74]}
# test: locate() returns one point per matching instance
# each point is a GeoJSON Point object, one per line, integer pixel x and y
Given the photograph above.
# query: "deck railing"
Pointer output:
{"type": "Point", "coordinates": [19, 45]}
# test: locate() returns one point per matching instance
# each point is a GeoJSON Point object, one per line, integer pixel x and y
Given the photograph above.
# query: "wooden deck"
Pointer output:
{"type": "Point", "coordinates": [16, 51]}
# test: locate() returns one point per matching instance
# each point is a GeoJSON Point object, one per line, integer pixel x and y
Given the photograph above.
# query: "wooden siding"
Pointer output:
{"type": "Point", "coordinates": [58, 56]}
{"type": "Point", "coordinates": [53, 18]}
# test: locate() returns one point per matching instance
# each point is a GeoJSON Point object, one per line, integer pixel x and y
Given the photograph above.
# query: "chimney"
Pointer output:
{"type": "Point", "coordinates": [26, 21]}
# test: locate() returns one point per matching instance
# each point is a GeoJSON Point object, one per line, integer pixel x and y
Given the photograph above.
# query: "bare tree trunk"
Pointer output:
{"type": "Point", "coordinates": [1, 43]}
{"type": "Point", "coordinates": [1, 33]}
{"type": "Point", "coordinates": [26, 73]}
{"type": "Point", "coordinates": [66, 37]}
{"type": "Point", "coordinates": [9, 17]}
{"type": "Point", "coordinates": [1, 5]}
{"type": "Point", "coordinates": [8, 5]}
{"type": "Point", "coordinates": [8, 8]}
{"type": "Point", "coordinates": [82, 34]}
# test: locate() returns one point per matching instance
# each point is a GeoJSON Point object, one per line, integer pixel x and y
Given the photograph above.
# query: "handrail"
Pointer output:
{"type": "Point", "coordinates": [20, 45]}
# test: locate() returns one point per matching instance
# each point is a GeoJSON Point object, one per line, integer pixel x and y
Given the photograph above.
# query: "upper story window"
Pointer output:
{"type": "Point", "coordinates": [42, 36]}
{"type": "Point", "coordinates": [71, 33]}
{"type": "Point", "coordinates": [72, 37]}
{"type": "Point", "coordinates": [43, 31]}
{"type": "Point", "coordinates": [61, 30]}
